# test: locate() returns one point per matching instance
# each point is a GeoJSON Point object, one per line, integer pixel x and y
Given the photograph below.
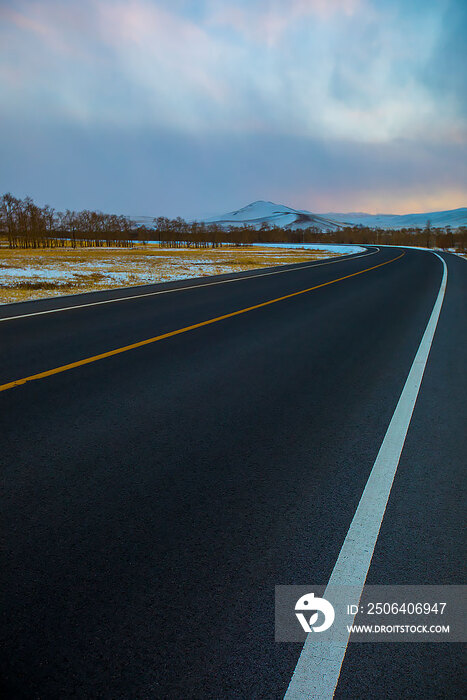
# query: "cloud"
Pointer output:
{"type": "Point", "coordinates": [307, 102]}
{"type": "Point", "coordinates": [24, 22]}
{"type": "Point", "coordinates": [446, 71]}
{"type": "Point", "coordinates": [339, 68]}
{"type": "Point", "coordinates": [147, 172]}
{"type": "Point", "coordinates": [57, 27]}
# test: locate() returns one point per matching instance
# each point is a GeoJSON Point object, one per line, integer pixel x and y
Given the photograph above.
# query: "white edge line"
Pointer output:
{"type": "Point", "coordinates": [179, 289]}
{"type": "Point", "coordinates": [318, 668]}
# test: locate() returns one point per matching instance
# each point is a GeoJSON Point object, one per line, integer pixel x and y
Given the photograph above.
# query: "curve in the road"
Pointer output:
{"type": "Point", "coordinates": [317, 671]}
{"type": "Point", "coordinates": [179, 331]}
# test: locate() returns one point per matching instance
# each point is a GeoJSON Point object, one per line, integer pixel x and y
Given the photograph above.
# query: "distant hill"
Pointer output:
{"type": "Point", "coordinates": [437, 219]}
{"type": "Point", "coordinates": [261, 212]}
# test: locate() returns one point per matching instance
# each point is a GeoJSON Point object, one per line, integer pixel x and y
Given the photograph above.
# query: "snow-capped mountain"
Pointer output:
{"type": "Point", "coordinates": [261, 212]}
{"type": "Point", "coordinates": [273, 214]}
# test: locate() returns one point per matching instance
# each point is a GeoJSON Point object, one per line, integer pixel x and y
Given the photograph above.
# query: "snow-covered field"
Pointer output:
{"type": "Point", "coordinates": [34, 274]}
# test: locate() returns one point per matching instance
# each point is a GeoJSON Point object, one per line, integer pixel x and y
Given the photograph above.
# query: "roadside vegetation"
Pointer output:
{"type": "Point", "coordinates": [48, 253]}
{"type": "Point", "coordinates": [23, 224]}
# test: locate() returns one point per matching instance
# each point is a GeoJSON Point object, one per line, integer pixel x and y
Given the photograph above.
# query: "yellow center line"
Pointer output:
{"type": "Point", "coordinates": [148, 341]}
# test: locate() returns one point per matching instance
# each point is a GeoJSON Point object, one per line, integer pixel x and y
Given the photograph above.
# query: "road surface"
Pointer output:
{"type": "Point", "coordinates": [152, 498]}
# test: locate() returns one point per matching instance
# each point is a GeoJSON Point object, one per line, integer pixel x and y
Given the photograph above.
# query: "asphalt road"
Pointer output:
{"type": "Point", "coordinates": [152, 499]}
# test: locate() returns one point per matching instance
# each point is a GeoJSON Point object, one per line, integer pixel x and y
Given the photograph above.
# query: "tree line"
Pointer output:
{"type": "Point", "coordinates": [26, 225]}
{"type": "Point", "coordinates": [178, 233]}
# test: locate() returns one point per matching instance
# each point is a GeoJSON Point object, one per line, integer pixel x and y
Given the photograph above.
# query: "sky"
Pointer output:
{"type": "Point", "coordinates": [196, 107]}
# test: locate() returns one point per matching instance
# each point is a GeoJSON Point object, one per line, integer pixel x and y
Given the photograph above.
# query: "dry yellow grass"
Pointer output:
{"type": "Point", "coordinates": [35, 274]}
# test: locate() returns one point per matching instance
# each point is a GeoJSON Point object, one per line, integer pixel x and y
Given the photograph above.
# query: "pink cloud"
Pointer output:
{"type": "Point", "coordinates": [324, 8]}
{"type": "Point", "coordinates": [62, 29]}
{"type": "Point", "coordinates": [268, 21]}
{"type": "Point", "coordinates": [24, 22]}
{"type": "Point", "coordinates": [166, 53]}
